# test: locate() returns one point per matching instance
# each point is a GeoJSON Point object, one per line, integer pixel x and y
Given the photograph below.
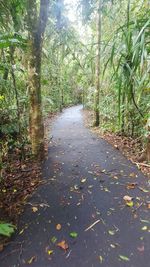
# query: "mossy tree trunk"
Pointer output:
{"type": "Point", "coordinates": [36, 27]}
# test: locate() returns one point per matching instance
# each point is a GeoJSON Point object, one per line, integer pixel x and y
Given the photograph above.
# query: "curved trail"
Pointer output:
{"type": "Point", "coordinates": [86, 180]}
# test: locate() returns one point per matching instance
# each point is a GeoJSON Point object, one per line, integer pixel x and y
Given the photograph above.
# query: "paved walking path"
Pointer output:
{"type": "Point", "coordinates": [85, 182]}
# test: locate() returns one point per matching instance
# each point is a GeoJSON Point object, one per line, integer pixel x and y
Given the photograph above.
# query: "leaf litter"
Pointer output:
{"type": "Point", "coordinates": [63, 245]}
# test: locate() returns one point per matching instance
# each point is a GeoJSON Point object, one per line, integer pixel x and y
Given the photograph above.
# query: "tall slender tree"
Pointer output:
{"type": "Point", "coordinates": [37, 21]}
{"type": "Point", "coordinates": [98, 56]}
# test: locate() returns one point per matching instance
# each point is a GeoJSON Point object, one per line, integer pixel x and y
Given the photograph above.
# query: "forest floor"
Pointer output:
{"type": "Point", "coordinates": [91, 209]}
{"type": "Point", "coordinates": [21, 177]}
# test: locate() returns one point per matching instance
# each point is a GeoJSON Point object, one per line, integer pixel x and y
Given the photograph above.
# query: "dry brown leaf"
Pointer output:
{"type": "Point", "coordinates": [63, 245]}
{"type": "Point", "coordinates": [131, 185]}
{"type": "Point", "coordinates": [58, 227]}
{"type": "Point", "coordinates": [132, 174]}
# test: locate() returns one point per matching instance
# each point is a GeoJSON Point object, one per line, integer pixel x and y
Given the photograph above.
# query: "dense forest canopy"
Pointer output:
{"type": "Point", "coordinates": [60, 53]}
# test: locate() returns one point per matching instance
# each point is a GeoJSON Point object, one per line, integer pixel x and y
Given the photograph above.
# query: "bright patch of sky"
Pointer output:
{"type": "Point", "coordinates": [72, 13]}
{"type": "Point", "coordinates": [71, 7]}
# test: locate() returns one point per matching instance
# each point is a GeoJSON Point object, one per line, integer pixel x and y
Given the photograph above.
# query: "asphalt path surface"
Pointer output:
{"type": "Point", "coordinates": [85, 181]}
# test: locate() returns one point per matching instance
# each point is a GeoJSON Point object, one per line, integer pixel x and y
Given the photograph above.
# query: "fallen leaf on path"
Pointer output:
{"type": "Point", "coordinates": [144, 228]}
{"type": "Point", "coordinates": [106, 189]}
{"type": "Point", "coordinates": [63, 245]}
{"type": "Point", "coordinates": [58, 227]}
{"type": "Point", "coordinates": [114, 245]}
{"type": "Point", "coordinates": [73, 234]}
{"type": "Point", "coordinates": [111, 232]}
{"type": "Point", "coordinates": [76, 187]}
{"type": "Point", "coordinates": [124, 258]}
{"type": "Point", "coordinates": [50, 252]}
{"type": "Point", "coordinates": [127, 198]}
{"type": "Point", "coordinates": [100, 259]}
{"type": "Point", "coordinates": [21, 232]}
{"type": "Point", "coordinates": [132, 174]}
{"type": "Point", "coordinates": [31, 260]}
{"type": "Point", "coordinates": [129, 203]}
{"type": "Point", "coordinates": [83, 180]}
{"type": "Point", "coordinates": [34, 209]}
{"type": "Point", "coordinates": [131, 185]}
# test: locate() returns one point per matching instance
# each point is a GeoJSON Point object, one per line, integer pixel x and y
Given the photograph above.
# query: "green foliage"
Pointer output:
{"type": "Point", "coordinates": [129, 59]}
{"type": "Point", "coordinates": [7, 40]}
{"type": "Point", "coordinates": [7, 229]}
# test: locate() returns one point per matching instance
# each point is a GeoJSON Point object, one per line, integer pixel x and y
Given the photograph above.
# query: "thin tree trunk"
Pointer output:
{"type": "Point", "coordinates": [123, 113]}
{"type": "Point", "coordinates": [97, 80]}
{"type": "Point", "coordinates": [83, 97]}
{"type": "Point", "coordinates": [62, 51]}
{"type": "Point", "coordinates": [148, 141]}
{"type": "Point", "coordinates": [12, 51]}
{"type": "Point", "coordinates": [148, 149]}
{"type": "Point", "coordinates": [59, 4]}
{"type": "Point", "coordinates": [36, 27]}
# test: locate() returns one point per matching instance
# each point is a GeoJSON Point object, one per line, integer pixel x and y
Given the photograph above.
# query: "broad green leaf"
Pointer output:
{"type": "Point", "coordinates": [6, 229]}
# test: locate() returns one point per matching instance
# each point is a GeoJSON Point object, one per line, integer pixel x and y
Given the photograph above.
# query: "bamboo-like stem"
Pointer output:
{"type": "Point", "coordinates": [98, 57]}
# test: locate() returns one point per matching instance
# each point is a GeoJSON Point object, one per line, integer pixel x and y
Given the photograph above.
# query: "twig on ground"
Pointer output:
{"type": "Point", "coordinates": [38, 204]}
{"type": "Point", "coordinates": [93, 224]}
{"type": "Point", "coordinates": [27, 170]}
{"type": "Point", "coordinates": [21, 251]}
{"type": "Point", "coordinates": [142, 164]}
{"type": "Point", "coordinates": [68, 254]}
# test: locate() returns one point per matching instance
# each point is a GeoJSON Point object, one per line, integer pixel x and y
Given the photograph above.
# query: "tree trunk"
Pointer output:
{"type": "Point", "coordinates": [123, 114]}
{"type": "Point", "coordinates": [97, 80]}
{"type": "Point", "coordinates": [59, 4]}
{"type": "Point", "coordinates": [148, 149]}
{"type": "Point", "coordinates": [148, 140]}
{"type": "Point", "coordinates": [146, 153]}
{"type": "Point", "coordinates": [36, 27]}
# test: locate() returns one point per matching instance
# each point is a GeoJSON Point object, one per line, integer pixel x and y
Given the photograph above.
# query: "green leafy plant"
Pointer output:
{"type": "Point", "coordinates": [129, 60]}
{"type": "Point", "coordinates": [7, 229]}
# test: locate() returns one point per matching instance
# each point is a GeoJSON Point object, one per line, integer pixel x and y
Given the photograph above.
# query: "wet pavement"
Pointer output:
{"type": "Point", "coordinates": [85, 181]}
